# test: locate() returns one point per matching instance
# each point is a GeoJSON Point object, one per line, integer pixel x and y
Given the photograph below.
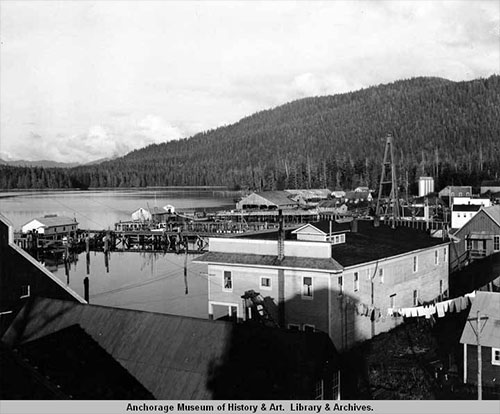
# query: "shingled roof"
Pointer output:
{"type": "Point", "coordinates": [289, 262]}
{"type": "Point", "coordinates": [176, 357]}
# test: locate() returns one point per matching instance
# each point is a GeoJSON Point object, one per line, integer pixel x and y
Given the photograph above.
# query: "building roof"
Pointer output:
{"type": "Point", "coordinates": [172, 357]}
{"type": "Point", "coordinates": [280, 198]}
{"type": "Point", "coordinates": [493, 212]}
{"type": "Point", "coordinates": [488, 304]}
{"type": "Point", "coordinates": [466, 207]}
{"type": "Point", "coordinates": [324, 227]}
{"type": "Point", "coordinates": [312, 193]}
{"type": "Point", "coordinates": [97, 376]}
{"type": "Point", "coordinates": [312, 263]}
{"type": "Point", "coordinates": [367, 244]}
{"type": "Point", "coordinates": [371, 243]}
{"type": "Point", "coordinates": [54, 220]}
{"type": "Point", "coordinates": [490, 183]}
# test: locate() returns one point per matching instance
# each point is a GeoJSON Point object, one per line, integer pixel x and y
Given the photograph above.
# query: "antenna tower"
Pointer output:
{"type": "Point", "coordinates": [388, 176]}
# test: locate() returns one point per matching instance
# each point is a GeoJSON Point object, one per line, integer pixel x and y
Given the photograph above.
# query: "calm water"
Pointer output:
{"type": "Point", "coordinates": [144, 281]}
{"type": "Point", "coordinates": [100, 209]}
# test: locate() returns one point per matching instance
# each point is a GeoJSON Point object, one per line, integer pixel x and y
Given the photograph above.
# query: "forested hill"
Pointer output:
{"type": "Point", "coordinates": [450, 130]}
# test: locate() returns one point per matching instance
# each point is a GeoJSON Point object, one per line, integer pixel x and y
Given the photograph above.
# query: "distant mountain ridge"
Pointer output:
{"type": "Point", "coordinates": [450, 130]}
{"type": "Point", "coordinates": [39, 163]}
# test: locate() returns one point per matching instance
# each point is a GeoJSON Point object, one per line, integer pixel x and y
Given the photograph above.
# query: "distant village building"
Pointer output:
{"type": "Point", "coordinates": [450, 192]}
{"type": "Point", "coordinates": [339, 278]}
{"type": "Point", "coordinates": [267, 200]}
{"type": "Point", "coordinates": [141, 214]}
{"type": "Point", "coordinates": [478, 237]}
{"type": "Point", "coordinates": [464, 208]}
{"type": "Point", "coordinates": [425, 186]}
{"type": "Point", "coordinates": [309, 197]}
{"type": "Point", "coordinates": [486, 306]}
{"type": "Point", "coordinates": [51, 226]}
{"type": "Point", "coordinates": [332, 208]}
{"type": "Point", "coordinates": [21, 277]}
{"type": "Point", "coordinates": [491, 186]}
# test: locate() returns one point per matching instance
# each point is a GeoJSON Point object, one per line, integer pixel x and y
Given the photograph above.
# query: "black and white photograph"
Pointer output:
{"type": "Point", "coordinates": [249, 206]}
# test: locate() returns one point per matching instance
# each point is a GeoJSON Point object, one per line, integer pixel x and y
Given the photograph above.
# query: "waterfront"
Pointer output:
{"type": "Point", "coordinates": [100, 209]}
{"type": "Point", "coordinates": [136, 280]}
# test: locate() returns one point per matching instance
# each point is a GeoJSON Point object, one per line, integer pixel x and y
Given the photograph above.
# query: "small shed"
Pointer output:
{"type": "Point", "coordinates": [486, 305]}
{"type": "Point", "coordinates": [51, 225]}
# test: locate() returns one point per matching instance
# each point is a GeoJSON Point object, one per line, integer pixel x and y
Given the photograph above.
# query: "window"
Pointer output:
{"type": "Point", "coordinates": [340, 281]}
{"type": "Point", "coordinates": [495, 356]}
{"type": "Point", "coordinates": [445, 258]}
{"type": "Point", "coordinates": [467, 193]}
{"type": "Point", "coordinates": [294, 327]}
{"type": "Point", "coordinates": [25, 291]}
{"type": "Point", "coordinates": [336, 385]}
{"type": "Point", "coordinates": [356, 281]}
{"type": "Point", "coordinates": [337, 239]}
{"type": "Point", "coordinates": [265, 283]}
{"type": "Point", "coordinates": [393, 300]}
{"type": "Point", "coordinates": [496, 243]}
{"type": "Point", "coordinates": [435, 257]}
{"type": "Point", "coordinates": [228, 281]}
{"type": "Point", "coordinates": [342, 238]}
{"type": "Point", "coordinates": [318, 391]}
{"type": "Point", "coordinates": [307, 288]}
{"type": "Point", "coordinates": [415, 264]}
{"type": "Point", "coordinates": [415, 297]}
{"type": "Point", "coordinates": [460, 194]}
{"type": "Point", "coordinates": [381, 275]}
{"type": "Point", "coordinates": [308, 328]}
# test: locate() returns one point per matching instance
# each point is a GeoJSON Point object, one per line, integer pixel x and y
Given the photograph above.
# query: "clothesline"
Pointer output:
{"type": "Point", "coordinates": [441, 308]}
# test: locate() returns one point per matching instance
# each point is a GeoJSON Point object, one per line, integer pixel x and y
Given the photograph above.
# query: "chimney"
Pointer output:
{"type": "Point", "coordinates": [376, 221]}
{"type": "Point", "coordinates": [354, 225]}
{"type": "Point", "coordinates": [281, 237]}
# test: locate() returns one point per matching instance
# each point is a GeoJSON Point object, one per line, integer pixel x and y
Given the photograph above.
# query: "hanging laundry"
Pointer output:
{"type": "Point", "coordinates": [440, 310]}
{"type": "Point", "coordinates": [421, 311]}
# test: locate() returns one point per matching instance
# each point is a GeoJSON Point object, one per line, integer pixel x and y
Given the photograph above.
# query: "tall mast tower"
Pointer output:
{"type": "Point", "coordinates": [388, 176]}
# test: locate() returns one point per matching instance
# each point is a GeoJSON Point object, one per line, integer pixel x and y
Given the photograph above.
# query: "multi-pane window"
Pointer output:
{"type": "Point", "coordinates": [356, 281]}
{"type": "Point", "coordinates": [340, 281]}
{"type": "Point", "coordinates": [228, 281]}
{"type": "Point", "coordinates": [336, 385]}
{"type": "Point", "coordinates": [307, 288]}
{"type": "Point", "coordinates": [496, 243]}
{"type": "Point", "coordinates": [415, 297]}
{"type": "Point", "coordinates": [318, 392]}
{"type": "Point", "coordinates": [495, 356]}
{"type": "Point", "coordinates": [265, 282]}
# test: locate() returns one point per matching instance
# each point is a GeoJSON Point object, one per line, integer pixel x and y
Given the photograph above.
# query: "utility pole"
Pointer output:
{"type": "Point", "coordinates": [477, 332]}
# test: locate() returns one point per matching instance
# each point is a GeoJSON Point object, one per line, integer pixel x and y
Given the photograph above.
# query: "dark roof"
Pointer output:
{"type": "Point", "coordinates": [488, 304]}
{"type": "Point", "coordinates": [270, 261]}
{"type": "Point", "coordinates": [80, 367]}
{"type": "Point", "coordinates": [372, 243]}
{"type": "Point", "coordinates": [173, 357]}
{"type": "Point", "coordinates": [21, 381]}
{"type": "Point", "coordinates": [490, 183]}
{"type": "Point", "coordinates": [466, 207]}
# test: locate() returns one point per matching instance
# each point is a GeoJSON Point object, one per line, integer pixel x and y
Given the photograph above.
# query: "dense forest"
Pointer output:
{"type": "Point", "coordinates": [449, 130]}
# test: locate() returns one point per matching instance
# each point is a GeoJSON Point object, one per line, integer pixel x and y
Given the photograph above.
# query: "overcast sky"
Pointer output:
{"type": "Point", "coordinates": [83, 80]}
